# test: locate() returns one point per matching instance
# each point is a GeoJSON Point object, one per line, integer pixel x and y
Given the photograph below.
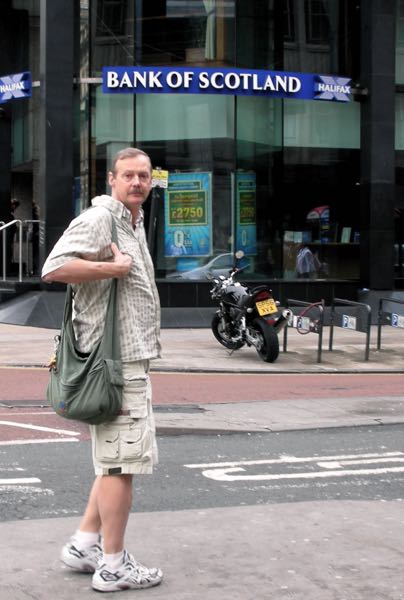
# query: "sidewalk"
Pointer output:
{"type": "Point", "coordinates": [335, 550]}
{"type": "Point", "coordinates": [345, 550]}
{"type": "Point", "coordinates": [196, 350]}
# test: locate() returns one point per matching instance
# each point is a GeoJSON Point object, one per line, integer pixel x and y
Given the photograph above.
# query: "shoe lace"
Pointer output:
{"type": "Point", "coordinates": [95, 552]}
{"type": "Point", "coordinates": [136, 570]}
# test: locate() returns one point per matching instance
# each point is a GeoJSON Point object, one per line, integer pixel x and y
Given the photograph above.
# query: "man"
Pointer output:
{"type": "Point", "coordinates": [10, 234]}
{"type": "Point", "coordinates": [85, 257]}
{"type": "Point", "coordinates": [306, 262]}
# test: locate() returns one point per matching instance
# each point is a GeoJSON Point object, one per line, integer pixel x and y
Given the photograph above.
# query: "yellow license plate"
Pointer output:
{"type": "Point", "coordinates": [266, 307]}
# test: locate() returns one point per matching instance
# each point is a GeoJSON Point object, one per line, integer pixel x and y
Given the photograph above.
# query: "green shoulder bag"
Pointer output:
{"type": "Point", "coordinates": [89, 387]}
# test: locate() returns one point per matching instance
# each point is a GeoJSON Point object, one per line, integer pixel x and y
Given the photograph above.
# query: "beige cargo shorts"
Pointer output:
{"type": "Point", "coordinates": [127, 445]}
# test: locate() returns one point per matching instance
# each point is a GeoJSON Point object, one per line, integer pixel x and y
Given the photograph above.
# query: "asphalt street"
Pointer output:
{"type": "Point", "coordinates": [199, 472]}
{"type": "Point", "coordinates": [273, 537]}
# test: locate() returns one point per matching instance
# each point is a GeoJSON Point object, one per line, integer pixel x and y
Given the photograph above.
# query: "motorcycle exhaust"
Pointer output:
{"type": "Point", "coordinates": [283, 320]}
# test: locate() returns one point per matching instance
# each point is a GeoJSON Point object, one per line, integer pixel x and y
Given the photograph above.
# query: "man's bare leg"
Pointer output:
{"type": "Point", "coordinates": [119, 570]}
{"type": "Point", "coordinates": [114, 495]}
{"type": "Point", "coordinates": [83, 551]}
{"type": "Point", "coordinates": [91, 520]}
{"type": "Point", "coordinates": [108, 508]}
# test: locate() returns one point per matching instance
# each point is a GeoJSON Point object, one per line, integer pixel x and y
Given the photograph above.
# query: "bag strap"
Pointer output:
{"type": "Point", "coordinates": [110, 339]}
{"type": "Point", "coordinates": [114, 233]}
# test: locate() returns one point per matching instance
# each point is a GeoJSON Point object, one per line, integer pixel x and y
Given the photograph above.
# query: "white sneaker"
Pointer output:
{"type": "Point", "coordinates": [85, 560]}
{"type": "Point", "coordinates": [130, 576]}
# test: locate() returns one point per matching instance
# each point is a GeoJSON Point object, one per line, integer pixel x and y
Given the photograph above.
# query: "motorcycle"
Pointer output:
{"type": "Point", "coordinates": [247, 315]}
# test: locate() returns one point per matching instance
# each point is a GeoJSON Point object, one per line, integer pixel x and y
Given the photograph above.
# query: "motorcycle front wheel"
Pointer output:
{"type": "Point", "coordinates": [223, 336]}
{"type": "Point", "coordinates": [269, 347]}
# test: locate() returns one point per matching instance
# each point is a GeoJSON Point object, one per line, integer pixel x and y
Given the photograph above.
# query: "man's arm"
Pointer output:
{"type": "Point", "coordinates": [80, 270]}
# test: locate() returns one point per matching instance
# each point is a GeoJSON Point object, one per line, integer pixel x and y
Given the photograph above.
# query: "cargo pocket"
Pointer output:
{"type": "Point", "coordinates": [135, 394]}
{"type": "Point", "coordinates": [106, 444]}
{"type": "Point", "coordinates": [134, 442]}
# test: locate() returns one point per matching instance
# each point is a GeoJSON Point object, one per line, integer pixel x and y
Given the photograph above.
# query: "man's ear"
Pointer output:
{"type": "Point", "coordinates": [110, 177]}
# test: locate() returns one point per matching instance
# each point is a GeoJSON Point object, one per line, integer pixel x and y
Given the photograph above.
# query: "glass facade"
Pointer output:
{"type": "Point", "coordinates": [278, 172]}
{"type": "Point", "coordinates": [23, 154]}
{"type": "Point", "coordinates": [299, 154]}
{"type": "Point", "coordinates": [399, 144]}
{"type": "Point", "coordinates": [400, 42]}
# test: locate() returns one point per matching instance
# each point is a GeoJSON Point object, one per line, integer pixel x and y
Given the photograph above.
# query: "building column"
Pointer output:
{"type": "Point", "coordinates": [56, 120]}
{"type": "Point", "coordinates": [6, 67]}
{"type": "Point", "coordinates": [378, 20]}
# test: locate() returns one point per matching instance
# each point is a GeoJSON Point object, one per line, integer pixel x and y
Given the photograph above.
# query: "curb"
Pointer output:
{"type": "Point", "coordinates": [167, 430]}
{"type": "Point", "coordinates": [312, 369]}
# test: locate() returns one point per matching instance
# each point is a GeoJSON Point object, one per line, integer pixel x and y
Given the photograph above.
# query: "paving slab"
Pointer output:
{"type": "Point", "coordinates": [316, 550]}
{"type": "Point", "coordinates": [283, 415]}
{"type": "Point", "coordinates": [197, 350]}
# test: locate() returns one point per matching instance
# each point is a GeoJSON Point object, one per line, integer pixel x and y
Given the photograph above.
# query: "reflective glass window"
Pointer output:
{"type": "Point", "coordinates": [267, 162]}
{"type": "Point", "coordinates": [400, 42]}
{"type": "Point", "coordinates": [317, 22]}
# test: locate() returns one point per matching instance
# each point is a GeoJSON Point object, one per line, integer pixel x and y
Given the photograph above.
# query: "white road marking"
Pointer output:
{"type": "Point", "coordinates": [24, 489]}
{"type": "Point", "coordinates": [344, 463]}
{"type": "Point", "coordinates": [223, 474]}
{"type": "Point", "coordinates": [285, 459]}
{"type": "Point", "coordinates": [39, 428]}
{"type": "Point", "coordinates": [43, 441]}
{"type": "Point", "coordinates": [19, 481]}
{"type": "Point", "coordinates": [334, 467]}
{"type": "Point", "coordinates": [10, 469]}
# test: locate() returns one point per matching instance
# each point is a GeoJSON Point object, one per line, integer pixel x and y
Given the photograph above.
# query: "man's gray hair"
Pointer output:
{"type": "Point", "coordinates": [128, 153]}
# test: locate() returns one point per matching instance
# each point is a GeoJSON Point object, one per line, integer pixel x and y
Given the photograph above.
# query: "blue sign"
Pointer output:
{"type": "Point", "coordinates": [348, 322]}
{"type": "Point", "coordinates": [397, 320]}
{"type": "Point", "coordinates": [246, 214]}
{"type": "Point", "coordinates": [188, 215]}
{"type": "Point", "coordinates": [15, 86]}
{"type": "Point", "coordinates": [231, 81]}
{"type": "Point", "coordinates": [332, 88]}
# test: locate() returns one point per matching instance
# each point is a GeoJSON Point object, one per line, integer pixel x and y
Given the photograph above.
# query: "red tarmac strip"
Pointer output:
{"type": "Point", "coordinates": [27, 384]}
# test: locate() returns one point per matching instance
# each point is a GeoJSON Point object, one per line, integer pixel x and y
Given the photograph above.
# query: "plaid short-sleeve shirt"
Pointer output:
{"type": "Point", "coordinates": [89, 237]}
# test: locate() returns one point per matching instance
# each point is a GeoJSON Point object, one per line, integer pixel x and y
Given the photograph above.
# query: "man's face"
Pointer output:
{"type": "Point", "coordinates": [131, 182]}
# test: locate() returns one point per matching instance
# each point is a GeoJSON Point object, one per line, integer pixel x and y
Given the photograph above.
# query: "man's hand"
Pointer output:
{"type": "Point", "coordinates": [122, 261]}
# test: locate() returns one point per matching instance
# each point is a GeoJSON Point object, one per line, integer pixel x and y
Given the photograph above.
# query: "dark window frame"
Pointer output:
{"type": "Point", "coordinates": [110, 18]}
{"type": "Point", "coordinates": [317, 23]}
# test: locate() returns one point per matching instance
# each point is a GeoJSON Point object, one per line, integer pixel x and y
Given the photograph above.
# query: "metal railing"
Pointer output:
{"type": "Point", "coordinates": [347, 321]}
{"type": "Point", "coordinates": [4, 231]}
{"type": "Point", "coordinates": [29, 223]}
{"type": "Point", "coordinates": [394, 319]}
{"type": "Point", "coordinates": [305, 323]}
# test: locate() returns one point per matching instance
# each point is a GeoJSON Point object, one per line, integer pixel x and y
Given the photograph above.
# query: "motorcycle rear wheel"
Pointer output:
{"type": "Point", "coordinates": [269, 350]}
{"type": "Point", "coordinates": [222, 335]}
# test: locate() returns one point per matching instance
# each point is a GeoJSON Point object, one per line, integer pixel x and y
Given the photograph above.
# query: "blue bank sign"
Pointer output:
{"type": "Point", "coordinates": [239, 82]}
{"type": "Point", "coordinates": [14, 86]}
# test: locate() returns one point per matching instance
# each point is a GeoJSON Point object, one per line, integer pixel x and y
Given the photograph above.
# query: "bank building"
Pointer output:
{"type": "Point", "coordinates": [271, 125]}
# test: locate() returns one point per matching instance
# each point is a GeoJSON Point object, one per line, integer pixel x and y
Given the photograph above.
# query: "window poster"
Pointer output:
{"type": "Point", "coordinates": [246, 220]}
{"type": "Point", "coordinates": [188, 215]}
